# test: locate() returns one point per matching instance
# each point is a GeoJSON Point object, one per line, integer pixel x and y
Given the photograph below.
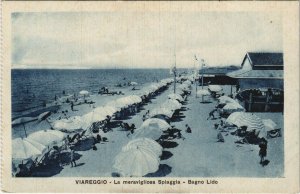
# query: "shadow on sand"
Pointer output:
{"type": "Point", "coordinates": [52, 168]}
{"type": "Point", "coordinates": [206, 102]}
{"type": "Point", "coordinates": [169, 144]}
{"type": "Point", "coordinates": [166, 155]}
{"type": "Point", "coordinates": [84, 145]}
{"type": "Point", "coordinates": [162, 171]}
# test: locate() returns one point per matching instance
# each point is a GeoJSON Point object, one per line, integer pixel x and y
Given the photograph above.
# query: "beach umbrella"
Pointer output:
{"type": "Point", "coordinates": [203, 93]}
{"type": "Point", "coordinates": [153, 131]}
{"type": "Point", "coordinates": [215, 88]}
{"type": "Point", "coordinates": [23, 120]}
{"type": "Point", "coordinates": [71, 124]}
{"type": "Point", "coordinates": [26, 148]}
{"type": "Point", "coordinates": [84, 92]}
{"type": "Point", "coordinates": [90, 118]}
{"type": "Point", "coordinates": [106, 110]}
{"type": "Point", "coordinates": [133, 83]}
{"type": "Point", "coordinates": [155, 122]}
{"type": "Point", "coordinates": [44, 115]}
{"type": "Point", "coordinates": [269, 124]}
{"type": "Point", "coordinates": [233, 107]}
{"type": "Point", "coordinates": [144, 143]}
{"type": "Point", "coordinates": [136, 162]}
{"type": "Point", "coordinates": [183, 87]}
{"type": "Point", "coordinates": [252, 121]}
{"type": "Point", "coordinates": [161, 111]}
{"type": "Point", "coordinates": [47, 137]}
{"type": "Point", "coordinates": [172, 104]}
{"type": "Point", "coordinates": [176, 97]}
{"type": "Point", "coordinates": [226, 99]}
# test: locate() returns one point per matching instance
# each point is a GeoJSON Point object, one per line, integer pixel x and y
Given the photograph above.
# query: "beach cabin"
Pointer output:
{"type": "Point", "coordinates": [260, 81]}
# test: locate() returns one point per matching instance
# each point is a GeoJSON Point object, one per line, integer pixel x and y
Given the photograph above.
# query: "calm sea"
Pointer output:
{"type": "Point", "coordinates": [30, 88]}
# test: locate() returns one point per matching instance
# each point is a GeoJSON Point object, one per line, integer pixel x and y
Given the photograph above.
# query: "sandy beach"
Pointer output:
{"type": "Point", "coordinates": [210, 158]}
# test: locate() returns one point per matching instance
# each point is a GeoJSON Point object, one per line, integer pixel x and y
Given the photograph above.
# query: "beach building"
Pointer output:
{"type": "Point", "coordinates": [260, 81]}
{"type": "Point", "coordinates": [218, 75]}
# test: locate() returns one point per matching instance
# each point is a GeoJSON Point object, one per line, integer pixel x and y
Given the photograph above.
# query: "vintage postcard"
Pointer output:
{"type": "Point", "coordinates": [150, 97]}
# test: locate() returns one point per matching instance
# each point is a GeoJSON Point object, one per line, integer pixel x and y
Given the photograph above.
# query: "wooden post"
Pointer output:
{"type": "Point", "coordinates": [250, 102]}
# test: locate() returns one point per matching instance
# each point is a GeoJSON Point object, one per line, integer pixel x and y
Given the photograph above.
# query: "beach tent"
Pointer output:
{"type": "Point", "coordinates": [145, 144]}
{"type": "Point", "coordinates": [26, 148]}
{"type": "Point", "coordinates": [176, 97]}
{"type": "Point", "coordinates": [155, 122]}
{"type": "Point", "coordinates": [136, 162]}
{"type": "Point", "coordinates": [47, 137]}
{"type": "Point", "coordinates": [71, 124]}
{"type": "Point", "coordinates": [226, 99]}
{"type": "Point", "coordinates": [203, 93]}
{"type": "Point", "coordinates": [233, 107]}
{"type": "Point", "coordinates": [172, 104]}
{"type": "Point", "coordinates": [215, 88]}
{"type": "Point", "coordinates": [162, 111]}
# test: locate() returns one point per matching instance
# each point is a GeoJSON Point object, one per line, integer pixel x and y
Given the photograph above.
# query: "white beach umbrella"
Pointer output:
{"type": "Point", "coordinates": [269, 124]}
{"type": "Point", "coordinates": [162, 111]}
{"type": "Point", "coordinates": [172, 104]}
{"type": "Point", "coordinates": [155, 122]}
{"type": "Point", "coordinates": [215, 88]}
{"type": "Point", "coordinates": [26, 148]}
{"type": "Point", "coordinates": [71, 124]}
{"type": "Point", "coordinates": [136, 162]}
{"type": "Point", "coordinates": [84, 92]}
{"type": "Point", "coordinates": [133, 83]}
{"type": "Point", "coordinates": [183, 87]}
{"type": "Point", "coordinates": [176, 97]}
{"type": "Point", "coordinates": [23, 120]}
{"type": "Point", "coordinates": [252, 121]}
{"type": "Point", "coordinates": [44, 115]}
{"type": "Point", "coordinates": [106, 110]}
{"type": "Point", "coordinates": [47, 137]}
{"type": "Point", "coordinates": [233, 107]}
{"type": "Point", "coordinates": [153, 132]}
{"type": "Point", "coordinates": [144, 143]}
{"type": "Point", "coordinates": [226, 99]}
{"type": "Point", "coordinates": [90, 118]}
{"type": "Point", "coordinates": [203, 93]}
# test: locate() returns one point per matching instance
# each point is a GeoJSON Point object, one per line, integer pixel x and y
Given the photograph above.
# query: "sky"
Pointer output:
{"type": "Point", "coordinates": [141, 39]}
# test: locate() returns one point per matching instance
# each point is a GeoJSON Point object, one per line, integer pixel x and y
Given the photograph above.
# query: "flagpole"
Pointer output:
{"type": "Point", "coordinates": [174, 72]}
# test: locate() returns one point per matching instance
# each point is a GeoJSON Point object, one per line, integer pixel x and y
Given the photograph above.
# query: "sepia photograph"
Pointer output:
{"type": "Point", "coordinates": [121, 95]}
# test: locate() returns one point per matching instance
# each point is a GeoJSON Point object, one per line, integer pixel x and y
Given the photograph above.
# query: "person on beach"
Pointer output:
{"type": "Point", "coordinates": [220, 137]}
{"type": "Point", "coordinates": [72, 158]}
{"type": "Point", "coordinates": [211, 114]}
{"type": "Point", "coordinates": [188, 129]}
{"type": "Point", "coordinates": [263, 150]}
{"type": "Point", "coordinates": [55, 97]}
{"type": "Point", "coordinates": [72, 106]}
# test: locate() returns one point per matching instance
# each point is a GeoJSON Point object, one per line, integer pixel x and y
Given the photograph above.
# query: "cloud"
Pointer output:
{"type": "Point", "coordinates": [108, 39]}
